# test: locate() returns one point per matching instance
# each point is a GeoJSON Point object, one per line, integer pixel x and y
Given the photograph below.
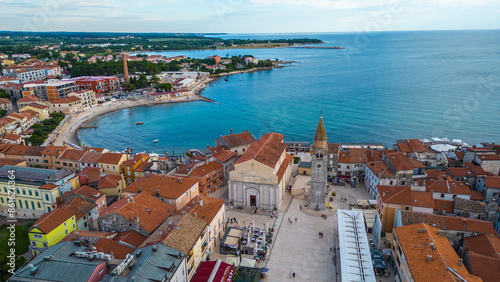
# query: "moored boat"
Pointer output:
{"type": "Point", "coordinates": [139, 123]}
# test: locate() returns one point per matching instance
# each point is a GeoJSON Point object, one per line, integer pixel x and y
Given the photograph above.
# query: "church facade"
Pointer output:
{"type": "Point", "coordinates": [319, 155]}
{"type": "Point", "coordinates": [261, 174]}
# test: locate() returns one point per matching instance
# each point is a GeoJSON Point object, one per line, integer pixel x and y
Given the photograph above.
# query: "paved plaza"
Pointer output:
{"type": "Point", "coordinates": [297, 246]}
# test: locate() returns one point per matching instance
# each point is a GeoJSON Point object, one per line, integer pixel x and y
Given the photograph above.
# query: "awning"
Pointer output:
{"type": "Point", "coordinates": [214, 271]}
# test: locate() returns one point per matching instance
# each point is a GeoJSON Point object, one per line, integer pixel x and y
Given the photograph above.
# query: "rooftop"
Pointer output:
{"type": "Point", "coordinates": [267, 150]}
{"type": "Point", "coordinates": [238, 139]}
{"type": "Point", "coordinates": [47, 222]}
{"type": "Point", "coordinates": [32, 174]}
{"type": "Point", "coordinates": [448, 187]}
{"type": "Point", "coordinates": [403, 195]}
{"type": "Point", "coordinates": [111, 158]}
{"type": "Point", "coordinates": [167, 186]}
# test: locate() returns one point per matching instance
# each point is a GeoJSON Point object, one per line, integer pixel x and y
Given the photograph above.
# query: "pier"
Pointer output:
{"type": "Point", "coordinates": [89, 126]}
{"type": "Point", "coordinates": [208, 100]}
{"type": "Point", "coordinates": [317, 47]}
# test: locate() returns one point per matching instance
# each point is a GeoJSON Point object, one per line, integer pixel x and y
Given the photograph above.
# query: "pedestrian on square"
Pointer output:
{"type": "Point", "coordinates": [300, 207]}
{"type": "Point", "coordinates": [341, 198]}
{"type": "Point", "coordinates": [290, 275]}
{"type": "Point", "coordinates": [295, 219]}
{"type": "Point", "coordinates": [293, 274]}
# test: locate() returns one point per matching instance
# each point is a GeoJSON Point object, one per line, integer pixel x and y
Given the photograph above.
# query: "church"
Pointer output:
{"type": "Point", "coordinates": [319, 152]}
{"type": "Point", "coordinates": [262, 174]}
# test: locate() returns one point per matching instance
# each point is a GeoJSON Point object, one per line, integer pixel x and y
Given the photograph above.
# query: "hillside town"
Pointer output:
{"type": "Point", "coordinates": [231, 211]}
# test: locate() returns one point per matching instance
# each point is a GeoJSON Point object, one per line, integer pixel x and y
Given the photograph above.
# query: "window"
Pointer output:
{"type": "Point", "coordinates": [39, 206]}
{"type": "Point", "coordinates": [57, 162]}
{"type": "Point", "coordinates": [30, 193]}
{"type": "Point", "coordinates": [113, 167]}
{"type": "Point", "coordinates": [74, 226]}
{"type": "Point", "coordinates": [20, 204]}
{"type": "Point", "coordinates": [454, 196]}
{"type": "Point", "coordinates": [65, 224]}
{"type": "Point", "coordinates": [47, 197]}
{"type": "Point", "coordinates": [1, 200]}
{"type": "Point", "coordinates": [36, 193]}
{"type": "Point", "coordinates": [48, 209]}
{"type": "Point", "coordinates": [36, 236]}
{"type": "Point", "coordinates": [5, 189]}
{"type": "Point", "coordinates": [187, 194]}
{"type": "Point", "coordinates": [442, 195]}
{"type": "Point", "coordinates": [33, 244]}
{"type": "Point", "coordinates": [407, 208]}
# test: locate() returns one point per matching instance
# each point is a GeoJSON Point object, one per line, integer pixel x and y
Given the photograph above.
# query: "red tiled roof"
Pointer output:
{"type": "Point", "coordinates": [28, 98]}
{"type": "Point", "coordinates": [224, 155]}
{"type": "Point", "coordinates": [47, 222]}
{"type": "Point", "coordinates": [66, 100]}
{"type": "Point", "coordinates": [108, 246]}
{"type": "Point", "coordinates": [267, 150]}
{"type": "Point", "coordinates": [443, 205]}
{"type": "Point", "coordinates": [48, 186]}
{"type": "Point", "coordinates": [478, 171]}
{"type": "Point", "coordinates": [403, 195]}
{"type": "Point", "coordinates": [399, 161]}
{"type": "Point", "coordinates": [416, 163]}
{"type": "Point", "coordinates": [284, 165]}
{"type": "Point", "coordinates": [477, 195]}
{"type": "Point", "coordinates": [150, 211]}
{"type": "Point", "coordinates": [416, 247]}
{"type": "Point", "coordinates": [380, 169]}
{"type": "Point", "coordinates": [110, 158]}
{"type": "Point", "coordinates": [12, 162]}
{"type": "Point", "coordinates": [93, 173]}
{"type": "Point", "coordinates": [85, 191]}
{"type": "Point", "coordinates": [239, 139]}
{"type": "Point", "coordinates": [54, 150]}
{"type": "Point", "coordinates": [492, 181]}
{"type": "Point", "coordinates": [91, 157]}
{"type": "Point", "coordinates": [459, 171]}
{"type": "Point", "coordinates": [168, 186]}
{"type": "Point", "coordinates": [205, 208]}
{"type": "Point", "coordinates": [78, 206]}
{"type": "Point", "coordinates": [109, 181]}
{"type": "Point", "coordinates": [448, 187]}
{"type": "Point", "coordinates": [72, 154]}
{"type": "Point", "coordinates": [489, 157]}
{"type": "Point", "coordinates": [17, 150]}
{"type": "Point", "coordinates": [201, 170]}
{"type": "Point", "coordinates": [12, 137]}
{"type": "Point", "coordinates": [130, 237]}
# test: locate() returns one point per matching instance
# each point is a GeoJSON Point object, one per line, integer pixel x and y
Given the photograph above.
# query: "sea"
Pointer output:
{"type": "Point", "coordinates": [382, 87]}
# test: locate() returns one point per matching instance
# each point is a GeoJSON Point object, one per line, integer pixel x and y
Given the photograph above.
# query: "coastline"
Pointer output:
{"type": "Point", "coordinates": [69, 131]}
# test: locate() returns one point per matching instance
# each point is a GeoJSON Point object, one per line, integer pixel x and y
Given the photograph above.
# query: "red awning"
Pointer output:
{"type": "Point", "coordinates": [223, 272]}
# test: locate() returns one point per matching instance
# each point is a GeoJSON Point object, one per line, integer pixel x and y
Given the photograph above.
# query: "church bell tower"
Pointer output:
{"type": "Point", "coordinates": [319, 153]}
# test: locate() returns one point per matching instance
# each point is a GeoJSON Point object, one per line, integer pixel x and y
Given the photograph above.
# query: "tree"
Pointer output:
{"type": "Point", "coordinates": [4, 94]}
{"type": "Point", "coordinates": [2, 113]}
{"type": "Point", "coordinates": [165, 86]}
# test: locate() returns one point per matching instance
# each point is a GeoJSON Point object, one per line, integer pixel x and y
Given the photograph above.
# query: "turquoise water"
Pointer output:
{"type": "Point", "coordinates": [381, 88]}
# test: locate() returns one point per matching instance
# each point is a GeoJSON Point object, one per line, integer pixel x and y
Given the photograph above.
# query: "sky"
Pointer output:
{"type": "Point", "coordinates": [247, 16]}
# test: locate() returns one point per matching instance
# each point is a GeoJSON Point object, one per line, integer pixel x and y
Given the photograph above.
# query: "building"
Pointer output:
{"type": "Point", "coordinates": [49, 229]}
{"type": "Point", "coordinates": [351, 163]}
{"type": "Point", "coordinates": [67, 105]}
{"type": "Point", "coordinates": [227, 159]}
{"type": "Point", "coordinates": [422, 253]}
{"type": "Point", "coordinates": [6, 105]}
{"type": "Point", "coordinates": [319, 157]}
{"type": "Point", "coordinates": [169, 265]}
{"type": "Point", "coordinates": [111, 184]}
{"type": "Point", "coordinates": [90, 159]}
{"type": "Point", "coordinates": [485, 157]}
{"type": "Point", "coordinates": [12, 139]}
{"type": "Point", "coordinates": [238, 142]}
{"type": "Point", "coordinates": [26, 100]}
{"type": "Point", "coordinates": [355, 258]}
{"type": "Point", "coordinates": [209, 270]}
{"type": "Point", "coordinates": [261, 174]}
{"type": "Point", "coordinates": [61, 263]}
{"type": "Point", "coordinates": [70, 159]}
{"type": "Point", "coordinates": [176, 191]}
{"type": "Point", "coordinates": [36, 189]}
{"type": "Point", "coordinates": [49, 90]}
{"type": "Point", "coordinates": [85, 212]}
{"type": "Point", "coordinates": [86, 193]}
{"type": "Point", "coordinates": [142, 213]}
{"type": "Point", "coordinates": [51, 156]}
{"type": "Point", "coordinates": [111, 162]}
{"type": "Point", "coordinates": [448, 190]}
{"type": "Point", "coordinates": [481, 255]}
{"type": "Point", "coordinates": [98, 84]}
{"type": "Point", "coordinates": [392, 198]}
{"type": "Point", "coordinates": [33, 156]}
{"type": "Point", "coordinates": [87, 96]}
{"type": "Point", "coordinates": [186, 233]}
{"type": "Point", "coordinates": [208, 174]}
{"type": "Point", "coordinates": [27, 75]}
{"type": "Point", "coordinates": [378, 173]}
{"type": "Point", "coordinates": [129, 167]}
{"type": "Point", "coordinates": [489, 187]}
{"type": "Point", "coordinates": [42, 110]}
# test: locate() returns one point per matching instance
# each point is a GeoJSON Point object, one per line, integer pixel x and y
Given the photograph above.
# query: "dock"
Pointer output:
{"type": "Point", "coordinates": [317, 47]}
{"type": "Point", "coordinates": [89, 126]}
{"type": "Point", "coordinates": [208, 100]}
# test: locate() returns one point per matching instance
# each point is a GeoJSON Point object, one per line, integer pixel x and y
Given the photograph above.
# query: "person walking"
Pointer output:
{"type": "Point", "coordinates": [300, 207]}
{"type": "Point", "coordinates": [290, 275]}
{"type": "Point", "coordinates": [293, 274]}
{"type": "Point", "coordinates": [295, 220]}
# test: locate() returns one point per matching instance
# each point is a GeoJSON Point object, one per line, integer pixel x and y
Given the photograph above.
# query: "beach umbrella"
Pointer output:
{"type": "Point", "coordinates": [265, 269]}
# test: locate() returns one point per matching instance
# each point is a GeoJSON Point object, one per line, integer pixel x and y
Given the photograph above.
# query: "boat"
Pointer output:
{"type": "Point", "coordinates": [156, 140]}
{"type": "Point", "coordinates": [226, 78]}
{"type": "Point", "coordinates": [139, 123]}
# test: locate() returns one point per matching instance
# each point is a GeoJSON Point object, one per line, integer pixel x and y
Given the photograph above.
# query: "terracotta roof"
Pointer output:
{"type": "Point", "coordinates": [224, 155]}
{"type": "Point", "coordinates": [470, 206]}
{"type": "Point", "coordinates": [399, 161]}
{"type": "Point", "coordinates": [416, 246]}
{"type": "Point", "coordinates": [380, 169]}
{"type": "Point", "coordinates": [460, 155]}
{"type": "Point", "coordinates": [201, 170]}
{"type": "Point", "coordinates": [85, 191]}
{"type": "Point", "coordinates": [145, 165]}
{"type": "Point", "coordinates": [404, 147]}
{"type": "Point", "coordinates": [4, 101]}
{"type": "Point", "coordinates": [108, 246]}
{"type": "Point", "coordinates": [477, 170]}
{"type": "Point", "coordinates": [69, 99]}
{"type": "Point", "coordinates": [182, 234]}
{"type": "Point", "coordinates": [78, 206]}
{"type": "Point", "coordinates": [82, 233]}
{"type": "Point", "coordinates": [91, 157]}
{"type": "Point", "coordinates": [448, 187]}
{"type": "Point", "coordinates": [284, 165]}
{"type": "Point", "coordinates": [12, 162]}
{"type": "Point", "coordinates": [450, 223]}
{"type": "Point", "coordinates": [38, 106]}
{"type": "Point", "coordinates": [48, 186]}
{"type": "Point", "coordinates": [54, 150]}
{"type": "Point", "coordinates": [110, 158]}
{"type": "Point", "coordinates": [150, 211]}
{"type": "Point", "coordinates": [34, 151]}
{"type": "Point", "coordinates": [135, 158]}
{"type": "Point", "coordinates": [416, 163]}
{"type": "Point", "coordinates": [205, 208]}
{"type": "Point", "coordinates": [359, 155]}
{"type": "Point", "coordinates": [489, 157]}
{"type": "Point", "coordinates": [17, 150]}
{"type": "Point", "coordinates": [403, 195]}
{"type": "Point", "coordinates": [485, 267]}
{"type": "Point", "coordinates": [492, 181]}
{"type": "Point", "coordinates": [333, 148]}
{"type": "Point", "coordinates": [477, 195]}
{"type": "Point", "coordinates": [238, 139]}
{"type": "Point", "coordinates": [484, 244]}
{"type": "Point", "coordinates": [130, 237]}
{"type": "Point", "coordinates": [28, 98]}
{"type": "Point", "coordinates": [109, 181]}
{"type": "Point", "coordinates": [417, 146]}
{"type": "Point", "coordinates": [93, 173]}
{"type": "Point", "coordinates": [12, 137]}
{"type": "Point", "coordinates": [459, 171]}
{"type": "Point", "coordinates": [168, 186]}
{"type": "Point", "coordinates": [267, 150]}
{"type": "Point", "coordinates": [72, 154]}
{"type": "Point", "coordinates": [47, 222]}
{"type": "Point", "coordinates": [443, 205]}
{"type": "Point", "coordinates": [217, 149]}
{"type": "Point", "coordinates": [434, 174]}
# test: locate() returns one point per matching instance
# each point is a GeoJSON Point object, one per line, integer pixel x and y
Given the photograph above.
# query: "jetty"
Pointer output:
{"type": "Point", "coordinates": [208, 100]}
{"type": "Point", "coordinates": [318, 47]}
{"type": "Point", "coordinates": [149, 105]}
{"type": "Point", "coordinates": [89, 126]}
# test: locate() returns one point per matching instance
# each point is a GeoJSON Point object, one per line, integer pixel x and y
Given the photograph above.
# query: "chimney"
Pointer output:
{"type": "Point", "coordinates": [157, 192]}
{"type": "Point", "coordinates": [433, 246]}
{"type": "Point", "coordinates": [131, 199]}
{"type": "Point", "coordinates": [201, 202]}
{"type": "Point", "coordinates": [429, 257]}
{"type": "Point", "coordinates": [139, 189]}
{"type": "Point", "coordinates": [136, 219]}
{"type": "Point", "coordinates": [444, 177]}
{"type": "Point", "coordinates": [169, 222]}
{"type": "Point", "coordinates": [231, 131]}
{"type": "Point", "coordinates": [460, 261]}
{"type": "Point", "coordinates": [155, 248]}
{"type": "Point", "coordinates": [179, 180]}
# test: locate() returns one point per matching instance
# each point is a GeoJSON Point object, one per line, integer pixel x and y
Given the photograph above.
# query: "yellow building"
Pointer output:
{"type": "Point", "coordinates": [111, 162]}
{"type": "Point", "coordinates": [36, 189]}
{"type": "Point", "coordinates": [49, 229]}
{"type": "Point", "coordinates": [129, 167]}
{"type": "Point", "coordinates": [42, 110]}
